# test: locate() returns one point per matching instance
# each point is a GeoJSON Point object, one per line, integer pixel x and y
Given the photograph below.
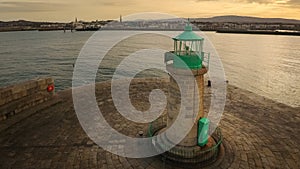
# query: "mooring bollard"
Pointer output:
{"type": "Point", "coordinates": [141, 133]}
{"type": "Point", "coordinates": [209, 83]}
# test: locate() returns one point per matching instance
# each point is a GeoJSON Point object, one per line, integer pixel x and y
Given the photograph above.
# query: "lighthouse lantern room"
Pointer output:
{"type": "Point", "coordinates": [188, 46]}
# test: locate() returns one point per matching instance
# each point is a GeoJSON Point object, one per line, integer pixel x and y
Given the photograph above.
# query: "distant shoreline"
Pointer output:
{"type": "Point", "coordinates": [257, 32]}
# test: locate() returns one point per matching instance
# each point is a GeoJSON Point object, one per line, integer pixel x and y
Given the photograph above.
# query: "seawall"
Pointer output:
{"type": "Point", "coordinates": [24, 95]}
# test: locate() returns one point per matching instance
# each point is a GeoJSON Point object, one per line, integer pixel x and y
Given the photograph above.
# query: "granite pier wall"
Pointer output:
{"type": "Point", "coordinates": [24, 95]}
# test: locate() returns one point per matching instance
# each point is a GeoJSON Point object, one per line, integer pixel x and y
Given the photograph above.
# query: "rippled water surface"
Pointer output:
{"type": "Point", "coordinates": [268, 65]}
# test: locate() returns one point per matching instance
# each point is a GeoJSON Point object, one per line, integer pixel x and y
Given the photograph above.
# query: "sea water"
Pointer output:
{"type": "Point", "coordinates": [268, 65]}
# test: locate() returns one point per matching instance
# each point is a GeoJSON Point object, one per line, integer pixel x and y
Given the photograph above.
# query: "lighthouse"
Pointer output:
{"type": "Point", "coordinates": [187, 64]}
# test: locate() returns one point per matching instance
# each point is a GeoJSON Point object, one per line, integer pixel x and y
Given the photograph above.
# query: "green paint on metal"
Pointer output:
{"type": "Point", "coordinates": [203, 126]}
{"type": "Point", "coordinates": [188, 61]}
{"type": "Point", "coordinates": [188, 48]}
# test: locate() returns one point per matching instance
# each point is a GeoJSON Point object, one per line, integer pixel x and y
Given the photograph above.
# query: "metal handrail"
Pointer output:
{"type": "Point", "coordinates": [156, 125]}
{"type": "Point", "coordinates": [206, 59]}
{"type": "Point", "coordinates": [204, 56]}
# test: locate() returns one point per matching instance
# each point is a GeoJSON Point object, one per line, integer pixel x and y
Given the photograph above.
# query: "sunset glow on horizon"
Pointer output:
{"type": "Point", "coordinates": [56, 10]}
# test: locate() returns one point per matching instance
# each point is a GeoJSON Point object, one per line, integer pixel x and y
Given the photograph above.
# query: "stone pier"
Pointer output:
{"type": "Point", "coordinates": [258, 132]}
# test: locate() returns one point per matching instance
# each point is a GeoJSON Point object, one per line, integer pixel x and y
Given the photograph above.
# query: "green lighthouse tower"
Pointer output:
{"type": "Point", "coordinates": [188, 56]}
{"type": "Point", "coordinates": [187, 65]}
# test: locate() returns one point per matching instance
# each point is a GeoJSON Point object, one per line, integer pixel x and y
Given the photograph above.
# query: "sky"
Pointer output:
{"type": "Point", "coordinates": [67, 10]}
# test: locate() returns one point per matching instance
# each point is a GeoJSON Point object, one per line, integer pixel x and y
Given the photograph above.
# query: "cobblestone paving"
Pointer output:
{"type": "Point", "coordinates": [258, 133]}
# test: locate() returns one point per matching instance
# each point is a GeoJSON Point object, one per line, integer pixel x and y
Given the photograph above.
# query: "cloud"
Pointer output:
{"type": "Point", "coordinates": [256, 1]}
{"type": "Point", "coordinates": [110, 3]}
{"type": "Point", "coordinates": [259, 1]}
{"type": "Point", "coordinates": [294, 2]}
{"type": "Point", "coordinates": [287, 3]}
{"type": "Point", "coordinates": [283, 3]}
{"type": "Point", "coordinates": [21, 6]}
{"type": "Point", "coordinates": [113, 3]}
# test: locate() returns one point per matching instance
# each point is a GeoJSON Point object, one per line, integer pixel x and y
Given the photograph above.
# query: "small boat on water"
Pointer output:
{"type": "Point", "coordinates": [87, 28]}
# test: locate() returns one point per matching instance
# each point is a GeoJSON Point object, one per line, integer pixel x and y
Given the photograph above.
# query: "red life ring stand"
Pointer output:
{"type": "Point", "coordinates": [50, 88]}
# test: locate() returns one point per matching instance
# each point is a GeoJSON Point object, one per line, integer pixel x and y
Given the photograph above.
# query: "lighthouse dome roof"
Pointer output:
{"type": "Point", "coordinates": [188, 35]}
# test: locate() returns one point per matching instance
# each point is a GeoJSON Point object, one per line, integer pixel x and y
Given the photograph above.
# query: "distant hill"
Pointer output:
{"type": "Point", "coordinates": [226, 18]}
{"type": "Point", "coordinates": [24, 23]}
{"type": "Point", "coordinates": [246, 19]}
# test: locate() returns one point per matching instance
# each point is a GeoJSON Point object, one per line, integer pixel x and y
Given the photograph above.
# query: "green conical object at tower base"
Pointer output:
{"type": "Point", "coordinates": [203, 127]}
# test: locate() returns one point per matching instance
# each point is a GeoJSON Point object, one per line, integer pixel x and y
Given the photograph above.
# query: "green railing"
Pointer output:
{"type": "Point", "coordinates": [205, 59]}
{"type": "Point", "coordinates": [191, 60]}
{"type": "Point", "coordinates": [156, 125]}
{"type": "Point", "coordinates": [200, 156]}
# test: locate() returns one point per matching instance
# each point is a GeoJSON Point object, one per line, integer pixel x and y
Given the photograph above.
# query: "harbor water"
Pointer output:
{"type": "Point", "coordinates": [268, 65]}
